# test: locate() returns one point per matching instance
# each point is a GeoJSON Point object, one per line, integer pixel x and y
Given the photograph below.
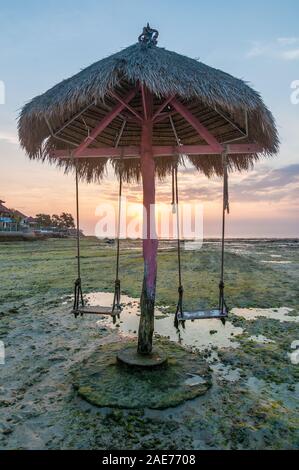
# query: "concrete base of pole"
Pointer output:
{"type": "Point", "coordinates": [131, 358]}
{"type": "Point", "coordinates": [112, 376]}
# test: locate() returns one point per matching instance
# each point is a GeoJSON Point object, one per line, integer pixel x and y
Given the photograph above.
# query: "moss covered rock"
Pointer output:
{"type": "Point", "coordinates": [103, 382]}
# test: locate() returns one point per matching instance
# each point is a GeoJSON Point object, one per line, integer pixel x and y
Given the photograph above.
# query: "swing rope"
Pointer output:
{"type": "Point", "coordinates": [78, 294]}
{"type": "Point", "coordinates": [116, 307]}
{"type": "Point", "coordinates": [175, 201]}
{"type": "Point", "coordinates": [116, 299]}
{"type": "Point", "coordinates": [225, 209]}
{"type": "Point", "coordinates": [175, 210]}
{"type": "Point", "coordinates": [179, 308]}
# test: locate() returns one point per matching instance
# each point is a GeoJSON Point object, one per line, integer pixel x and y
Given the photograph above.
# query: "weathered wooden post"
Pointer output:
{"type": "Point", "coordinates": [150, 242]}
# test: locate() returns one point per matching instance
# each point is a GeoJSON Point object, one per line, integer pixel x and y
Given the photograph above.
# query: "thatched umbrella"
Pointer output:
{"type": "Point", "coordinates": [154, 91]}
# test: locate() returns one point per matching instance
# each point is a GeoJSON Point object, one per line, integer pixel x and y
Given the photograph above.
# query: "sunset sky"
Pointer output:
{"type": "Point", "coordinates": [44, 42]}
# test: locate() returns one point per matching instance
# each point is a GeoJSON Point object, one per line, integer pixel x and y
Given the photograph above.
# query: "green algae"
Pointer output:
{"type": "Point", "coordinates": [52, 267]}
{"type": "Point", "coordinates": [103, 382]}
{"type": "Point", "coordinates": [35, 276]}
{"type": "Point", "coordinates": [266, 361]}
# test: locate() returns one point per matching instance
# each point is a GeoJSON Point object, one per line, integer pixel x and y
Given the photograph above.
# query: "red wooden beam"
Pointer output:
{"type": "Point", "coordinates": [100, 152]}
{"type": "Point", "coordinates": [232, 149]}
{"type": "Point", "coordinates": [197, 125]}
{"type": "Point", "coordinates": [161, 107]}
{"type": "Point", "coordinates": [166, 150]}
{"type": "Point", "coordinates": [129, 117]}
{"type": "Point", "coordinates": [144, 102]}
{"type": "Point", "coordinates": [126, 105]}
{"type": "Point", "coordinates": [244, 148]}
{"type": "Point", "coordinates": [159, 151]}
{"type": "Point", "coordinates": [105, 122]}
{"type": "Point", "coordinates": [163, 116]}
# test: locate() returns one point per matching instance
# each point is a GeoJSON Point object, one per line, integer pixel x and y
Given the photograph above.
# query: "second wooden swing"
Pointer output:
{"type": "Point", "coordinates": [221, 312]}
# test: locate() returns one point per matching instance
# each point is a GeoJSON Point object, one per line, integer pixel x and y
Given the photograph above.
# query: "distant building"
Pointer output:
{"type": "Point", "coordinates": [6, 217]}
{"type": "Point", "coordinates": [3, 210]}
{"type": "Point", "coordinates": [13, 220]}
{"type": "Point", "coordinates": [20, 219]}
{"type": "Point", "coordinates": [32, 222]}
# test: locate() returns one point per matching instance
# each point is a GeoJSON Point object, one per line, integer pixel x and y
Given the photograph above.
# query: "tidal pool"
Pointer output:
{"type": "Point", "coordinates": [294, 356]}
{"type": "Point", "coordinates": [281, 314]}
{"type": "Point", "coordinates": [200, 334]}
{"type": "Point", "coordinates": [276, 262]}
{"type": "Point", "coordinates": [260, 339]}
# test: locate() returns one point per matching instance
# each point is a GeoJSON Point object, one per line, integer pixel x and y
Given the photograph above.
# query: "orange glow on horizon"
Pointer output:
{"type": "Point", "coordinates": [49, 190]}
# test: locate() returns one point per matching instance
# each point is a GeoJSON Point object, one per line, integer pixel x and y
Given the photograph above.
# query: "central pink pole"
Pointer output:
{"type": "Point", "coordinates": [150, 242]}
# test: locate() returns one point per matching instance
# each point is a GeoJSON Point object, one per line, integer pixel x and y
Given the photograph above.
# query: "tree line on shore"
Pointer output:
{"type": "Point", "coordinates": [63, 221]}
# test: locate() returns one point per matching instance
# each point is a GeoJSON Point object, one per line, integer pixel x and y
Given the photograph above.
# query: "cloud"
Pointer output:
{"type": "Point", "coordinates": [9, 137]}
{"type": "Point", "coordinates": [288, 41]}
{"type": "Point", "coordinates": [284, 48]}
{"type": "Point", "coordinates": [263, 184]}
{"type": "Point", "coordinates": [271, 185]}
{"type": "Point", "coordinates": [291, 55]}
{"type": "Point", "coordinates": [258, 49]}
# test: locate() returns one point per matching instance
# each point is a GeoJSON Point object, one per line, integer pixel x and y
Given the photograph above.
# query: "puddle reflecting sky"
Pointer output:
{"type": "Point", "coordinates": [281, 314]}
{"type": "Point", "coordinates": [197, 334]}
{"type": "Point", "coordinates": [200, 334]}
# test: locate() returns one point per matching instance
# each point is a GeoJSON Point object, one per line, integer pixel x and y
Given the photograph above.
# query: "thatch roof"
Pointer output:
{"type": "Point", "coordinates": [4, 210]}
{"type": "Point", "coordinates": [219, 100]}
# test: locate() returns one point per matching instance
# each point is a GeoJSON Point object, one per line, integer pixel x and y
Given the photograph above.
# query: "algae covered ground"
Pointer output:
{"type": "Point", "coordinates": [252, 402]}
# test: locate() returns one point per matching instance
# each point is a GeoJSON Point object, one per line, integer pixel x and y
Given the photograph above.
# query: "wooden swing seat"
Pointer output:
{"type": "Point", "coordinates": [97, 310]}
{"type": "Point", "coordinates": [202, 314]}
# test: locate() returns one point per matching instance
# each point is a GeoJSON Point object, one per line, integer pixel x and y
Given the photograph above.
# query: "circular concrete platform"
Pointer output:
{"type": "Point", "coordinates": [101, 380]}
{"type": "Point", "coordinates": [130, 358]}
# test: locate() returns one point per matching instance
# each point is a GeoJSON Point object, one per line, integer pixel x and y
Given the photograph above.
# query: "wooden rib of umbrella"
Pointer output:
{"type": "Point", "coordinates": [79, 104]}
{"type": "Point", "coordinates": [213, 147]}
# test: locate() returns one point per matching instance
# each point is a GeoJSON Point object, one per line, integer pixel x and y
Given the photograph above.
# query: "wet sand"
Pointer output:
{"type": "Point", "coordinates": [253, 403]}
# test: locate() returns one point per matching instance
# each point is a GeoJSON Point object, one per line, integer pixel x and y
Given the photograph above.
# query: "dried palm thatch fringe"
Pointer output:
{"type": "Point", "coordinates": [164, 73]}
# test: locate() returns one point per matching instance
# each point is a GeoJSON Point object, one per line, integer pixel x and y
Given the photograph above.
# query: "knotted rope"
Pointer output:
{"type": "Point", "coordinates": [78, 295]}
{"type": "Point", "coordinates": [116, 307]}
{"type": "Point", "coordinates": [225, 209]}
{"type": "Point", "coordinates": [175, 209]}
